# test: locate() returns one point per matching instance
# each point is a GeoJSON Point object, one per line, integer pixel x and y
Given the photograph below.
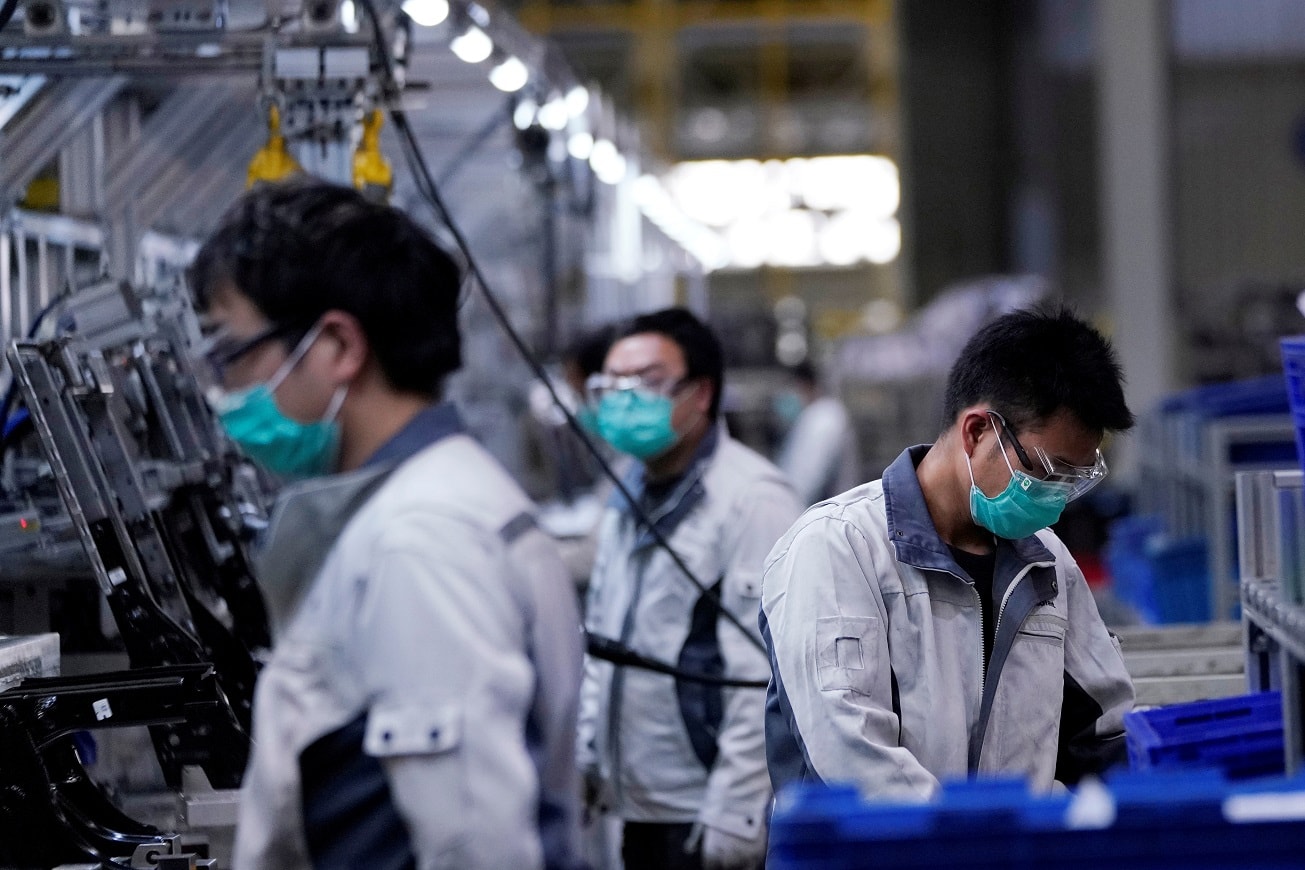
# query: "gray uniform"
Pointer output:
{"type": "Point", "coordinates": [876, 643]}
{"type": "Point", "coordinates": [419, 708]}
{"type": "Point", "coordinates": [672, 751]}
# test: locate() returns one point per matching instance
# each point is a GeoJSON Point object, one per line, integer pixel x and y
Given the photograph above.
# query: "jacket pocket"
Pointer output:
{"type": "Point", "coordinates": [354, 812]}
{"type": "Point", "coordinates": [1044, 628]}
{"type": "Point", "coordinates": [845, 653]}
{"type": "Point", "coordinates": [423, 751]}
{"type": "Point", "coordinates": [398, 731]}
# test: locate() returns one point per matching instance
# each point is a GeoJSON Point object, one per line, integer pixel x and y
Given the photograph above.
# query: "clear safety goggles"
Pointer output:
{"type": "Point", "coordinates": [1078, 479]}
{"type": "Point", "coordinates": [601, 384]}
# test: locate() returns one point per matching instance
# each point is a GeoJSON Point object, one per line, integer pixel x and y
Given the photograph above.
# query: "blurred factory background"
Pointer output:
{"type": "Point", "coordinates": [853, 185]}
{"type": "Point", "coordinates": [856, 184]}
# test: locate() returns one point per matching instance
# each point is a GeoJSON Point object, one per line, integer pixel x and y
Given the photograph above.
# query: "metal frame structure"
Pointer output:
{"type": "Point", "coordinates": [159, 502]}
{"type": "Point", "coordinates": [1271, 538]}
{"type": "Point", "coordinates": [1189, 463]}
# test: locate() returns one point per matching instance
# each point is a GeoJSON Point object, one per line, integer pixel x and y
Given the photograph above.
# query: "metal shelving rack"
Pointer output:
{"type": "Point", "coordinates": [1188, 465]}
{"type": "Point", "coordinates": [1271, 533]}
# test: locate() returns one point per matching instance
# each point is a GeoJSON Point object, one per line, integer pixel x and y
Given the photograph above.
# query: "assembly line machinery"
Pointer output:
{"type": "Point", "coordinates": [164, 508]}
{"type": "Point", "coordinates": [113, 466]}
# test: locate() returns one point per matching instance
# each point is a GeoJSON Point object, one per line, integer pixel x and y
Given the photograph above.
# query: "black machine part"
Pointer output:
{"type": "Point", "coordinates": [51, 811]}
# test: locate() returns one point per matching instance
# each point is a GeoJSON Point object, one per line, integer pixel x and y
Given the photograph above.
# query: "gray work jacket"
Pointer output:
{"type": "Point", "coordinates": [876, 643]}
{"type": "Point", "coordinates": [419, 706]}
{"type": "Point", "coordinates": [670, 750]}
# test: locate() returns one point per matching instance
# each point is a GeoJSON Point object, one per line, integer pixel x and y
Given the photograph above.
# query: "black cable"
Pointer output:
{"type": "Point", "coordinates": [426, 187]}
{"type": "Point", "coordinates": [7, 403]}
{"type": "Point", "coordinates": [7, 12]}
{"type": "Point", "coordinates": [619, 654]}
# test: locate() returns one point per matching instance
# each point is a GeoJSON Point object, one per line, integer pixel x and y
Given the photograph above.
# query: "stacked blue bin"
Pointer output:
{"type": "Point", "coordinates": [1186, 481]}
{"type": "Point", "coordinates": [1241, 736]}
{"type": "Point", "coordinates": [1166, 580]}
{"type": "Point", "coordinates": [1194, 820]}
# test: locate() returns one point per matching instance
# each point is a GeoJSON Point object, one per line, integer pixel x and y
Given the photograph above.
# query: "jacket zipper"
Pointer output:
{"type": "Point", "coordinates": [627, 630]}
{"type": "Point", "coordinates": [983, 658]}
{"type": "Point", "coordinates": [1005, 599]}
{"type": "Point", "coordinates": [618, 687]}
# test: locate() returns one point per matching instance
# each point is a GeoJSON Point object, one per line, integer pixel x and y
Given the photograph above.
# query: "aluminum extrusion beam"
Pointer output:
{"type": "Point", "coordinates": [59, 113]}
{"type": "Point", "coordinates": [178, 121]}
{"type": "Point", "coordinates": [14, 103]}
{"type": "Point", "coordinates": [220, 142]}
{"type": "Point", "coordinates": [214, 186]}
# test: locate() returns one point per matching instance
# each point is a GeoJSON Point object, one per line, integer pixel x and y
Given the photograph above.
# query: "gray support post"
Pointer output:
{"type": "Point", "coordinates": [1134, 106]}
{"type": "Point", "coordinates": [81, 171]}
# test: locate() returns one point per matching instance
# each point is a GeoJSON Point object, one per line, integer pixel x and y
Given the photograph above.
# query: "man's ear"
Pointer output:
{"type": "Point", "coordinates": [974, 425]}
{"type": "Point", "coordinates": [349, 348]}
{"type": "Point", "coordinates": [702, 394]}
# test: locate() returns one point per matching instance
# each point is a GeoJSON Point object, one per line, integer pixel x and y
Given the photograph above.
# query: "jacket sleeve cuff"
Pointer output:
{"type": "Point", "coordinates": [747, 824]}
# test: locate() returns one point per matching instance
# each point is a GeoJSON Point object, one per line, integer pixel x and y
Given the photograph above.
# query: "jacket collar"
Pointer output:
{"type": "Point", "coordinates": [912, 531]}
{"type": "Point", "coordinates": [310, 516]}
{"type": "Point", "coordinates": [430, 425]}
{"type": "Point", "coordinates": [684, 496]}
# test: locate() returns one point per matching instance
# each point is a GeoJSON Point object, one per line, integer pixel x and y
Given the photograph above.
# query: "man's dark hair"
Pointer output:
{"type": "Point", "coordinates": [302, 247]}
{"type": "Point", "coordinates": [1030, 364]}
{"type": "Point", "coordinates": [702, 352]}
{"type": "Point", "coordinates": [805, 373]}
{"type": "Point", "coordinates": [589, 350]}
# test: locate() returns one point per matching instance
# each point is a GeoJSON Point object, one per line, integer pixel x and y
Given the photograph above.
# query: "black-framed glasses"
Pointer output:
{"type": "Point", "coordinates": [221, 351]}
{"type": "Point", "coordinates": [1015, 442]}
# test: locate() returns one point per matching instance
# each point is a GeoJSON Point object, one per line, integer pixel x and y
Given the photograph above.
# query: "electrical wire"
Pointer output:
{"type": "Point", "coordinates": [7, 9]}
{"type": "Point", "coordinates": [427, 188]}
{"type": "Point", "coordinates": [11, 393]}
{"type": "Point", "coordinates": [619, 654]}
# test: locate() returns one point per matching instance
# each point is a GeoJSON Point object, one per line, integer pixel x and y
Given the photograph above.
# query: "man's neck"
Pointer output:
{"type": "Point", "coordinates": [947, 498]}
{"type": "Point", "coordinates": [677, 460]}
{"type": "Point", "coordinates": [371, 419]}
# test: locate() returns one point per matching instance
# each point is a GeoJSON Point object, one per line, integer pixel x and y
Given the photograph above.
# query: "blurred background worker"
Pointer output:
{"type": "Point", "coordinates": [819, 453]}
{"type": "Point", "coordinates": [576, 487]}
{"type": "Point", "coordinates": [419, 706]}
{"type": "Point", "coordinates": [930, 625]}
{"type": "Point", "coordinates": [681, 762]}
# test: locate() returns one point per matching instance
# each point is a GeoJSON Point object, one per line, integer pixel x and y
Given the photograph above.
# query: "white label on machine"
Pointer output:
{"type": "Point", "coordinates": [102, 710]}
{"type": "Point", "coordinates": [117, 576]}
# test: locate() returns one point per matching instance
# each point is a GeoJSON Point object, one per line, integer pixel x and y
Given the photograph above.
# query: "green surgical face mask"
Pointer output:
{"type": "Point", "coordinates": [280, 444]}
{"type": "Point", "coordinates": [1024, 507]}
{"type": "Point", "coordinates": [637, 423]}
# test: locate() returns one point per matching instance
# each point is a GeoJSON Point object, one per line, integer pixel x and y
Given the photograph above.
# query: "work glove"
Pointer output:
{"type": "Point", "coordinates": [722, 850]}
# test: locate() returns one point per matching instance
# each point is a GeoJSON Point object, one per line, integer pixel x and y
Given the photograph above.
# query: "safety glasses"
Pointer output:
{"type": "Point", "coordinates": [601, 384]}
{"type": "Point", "coordinates": [1079, 479]}
{"type": "Point", "coordinates": [221, 350]}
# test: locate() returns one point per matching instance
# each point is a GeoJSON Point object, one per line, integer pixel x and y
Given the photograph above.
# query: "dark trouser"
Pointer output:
{"type": "Point", "coordinates": [657, 846]}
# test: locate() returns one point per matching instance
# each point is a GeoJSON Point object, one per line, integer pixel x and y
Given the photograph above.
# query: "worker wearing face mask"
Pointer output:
{"type": "Point", "coordinates": [418, 709]}
{"type": "Point", "coordinates": [928, 625]}
{"type": "Point", "coordinates": [681, 763]}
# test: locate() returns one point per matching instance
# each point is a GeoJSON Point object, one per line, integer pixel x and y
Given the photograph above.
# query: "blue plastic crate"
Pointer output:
{"type": "Point", "coordinates": [1181, 574]}
{"type": "Point", "coordinates": [1242, 736]}
{"type": "Point", "coordinates": [1154, 821]}
{"type": "Point", "coordinates": [1263, 395]}
{"type": "Point", "coordinates": [1166, 580]}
